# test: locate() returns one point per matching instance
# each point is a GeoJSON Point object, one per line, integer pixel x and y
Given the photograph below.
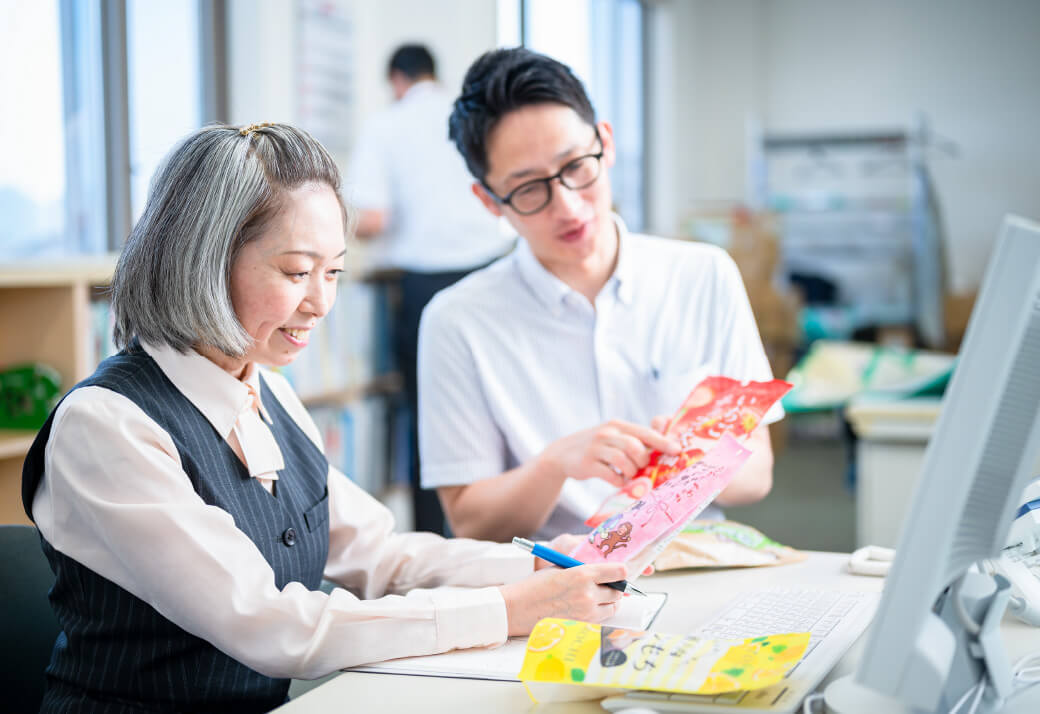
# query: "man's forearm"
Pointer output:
{"type": "Point", "coordinates": [515, 503]}
{"type": "Point", "coordinates": [754, 481]}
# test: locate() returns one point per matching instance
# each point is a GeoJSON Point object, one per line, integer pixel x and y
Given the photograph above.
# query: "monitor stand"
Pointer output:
{"type": "Point", "coordinates": [954, 657]}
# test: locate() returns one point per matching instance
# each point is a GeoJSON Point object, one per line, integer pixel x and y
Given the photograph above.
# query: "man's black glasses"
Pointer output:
{"type": "Point", "coordinates": [532, 196]}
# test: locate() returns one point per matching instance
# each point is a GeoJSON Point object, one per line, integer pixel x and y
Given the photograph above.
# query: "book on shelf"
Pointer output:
{"type": "Point", "coordinates": [356, 439]}
{"type": "Point", "coordinates": [349, 347]}
{"type": "Point", "coordinates": [401, 430]}
{"type": "Point", "coordinates": [100, 339]}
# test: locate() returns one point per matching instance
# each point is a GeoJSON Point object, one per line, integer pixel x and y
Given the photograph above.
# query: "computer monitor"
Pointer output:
{"type": "Point", "coordinates": [934, 636]}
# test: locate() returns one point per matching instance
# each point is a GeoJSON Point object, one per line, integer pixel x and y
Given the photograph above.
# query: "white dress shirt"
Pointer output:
{"type": "Point", "coordinates": [114, 494]}
{"type": "Point", "coordinates": [512, 359]}
{"type": "Point", "coordinates": [404, 163]}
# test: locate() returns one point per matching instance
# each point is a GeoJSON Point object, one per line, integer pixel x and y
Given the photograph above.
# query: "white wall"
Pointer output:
{"type": "Point", "coordinates": [971, 67]}
{"type": "Point", "coordinates": [262, 49]}
{"type": "Point", "coordinates": [456, 33]}
{"type": "Point", "coordinates": [261, 61]}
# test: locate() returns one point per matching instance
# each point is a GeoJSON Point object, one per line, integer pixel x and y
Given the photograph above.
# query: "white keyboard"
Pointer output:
{"type": "Point", "coordinates": [834, 620]}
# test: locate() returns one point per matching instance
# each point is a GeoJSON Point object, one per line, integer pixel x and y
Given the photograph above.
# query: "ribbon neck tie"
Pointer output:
{"type": "Point", "coordinates": [260, 451]}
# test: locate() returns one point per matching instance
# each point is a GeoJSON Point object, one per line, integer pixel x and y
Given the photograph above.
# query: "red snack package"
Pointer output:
{"type": "Point", "coordinates": [716, 406]}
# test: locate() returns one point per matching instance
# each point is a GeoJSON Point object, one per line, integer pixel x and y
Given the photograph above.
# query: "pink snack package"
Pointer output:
{"type": "Point", "coordinates": [716, 406]}
{"type": "Point", "coordinates": [637, 534]}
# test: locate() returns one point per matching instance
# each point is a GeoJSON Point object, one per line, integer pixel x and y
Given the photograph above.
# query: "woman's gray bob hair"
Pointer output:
{"type": "Point", "coordinates": [213, 193]}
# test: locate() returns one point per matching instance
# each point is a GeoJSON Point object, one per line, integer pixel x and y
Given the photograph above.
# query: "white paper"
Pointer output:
{"type": "Point", "coordinates": [503, 663]}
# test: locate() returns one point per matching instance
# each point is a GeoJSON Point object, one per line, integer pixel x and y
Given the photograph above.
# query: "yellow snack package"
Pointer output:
{"type": "Point", "coordinates": [564, 653]}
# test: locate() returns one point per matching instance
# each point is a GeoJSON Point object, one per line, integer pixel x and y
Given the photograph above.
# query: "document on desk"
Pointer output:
{"type": "Point", "coordinates": [504, 663]}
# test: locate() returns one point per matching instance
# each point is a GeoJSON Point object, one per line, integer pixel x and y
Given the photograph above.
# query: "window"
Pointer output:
{"type": "Point", "coordinates": [51, 201]}
{"type": "Point", "coordinates": [164, 84]}
{"type": "Point", "coordinates": [509, 18]}
{"type": "Point", "coordinates": [602, 41]}
{"type": "Point", "coordinates": [95, 86]}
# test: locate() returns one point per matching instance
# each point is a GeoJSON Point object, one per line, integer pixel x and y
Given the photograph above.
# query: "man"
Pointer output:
{"type": "Point", "coordinates": [411, 185]}
{"type": "Point", "coordinates": [538, 373]}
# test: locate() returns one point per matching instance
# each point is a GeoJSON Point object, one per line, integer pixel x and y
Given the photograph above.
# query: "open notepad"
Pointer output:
{"type": "Point", "coordinates": [503, 663]}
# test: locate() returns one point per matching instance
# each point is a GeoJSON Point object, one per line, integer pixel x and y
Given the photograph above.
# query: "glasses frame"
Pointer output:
{"type": "Point", "coordinates": [507, 200]}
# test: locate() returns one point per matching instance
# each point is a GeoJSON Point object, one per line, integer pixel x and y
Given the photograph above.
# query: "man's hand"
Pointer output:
{"type": "Point", "coordinates": [660, 423]}
{"type": "Point", "coordinates": [613, 451]}
{"type": "Point", "coordinates": [519, 501]}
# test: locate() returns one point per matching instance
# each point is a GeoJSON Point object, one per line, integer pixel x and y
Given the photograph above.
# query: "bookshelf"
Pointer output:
{"type": "Point", "coordinates": [47, 315]}
{"type": "Point", "coordinates": [386, 384]}
{"type": "Point", "coordinates": [44, 317]}
{"type": "Point", "coordinates": [14, 444]}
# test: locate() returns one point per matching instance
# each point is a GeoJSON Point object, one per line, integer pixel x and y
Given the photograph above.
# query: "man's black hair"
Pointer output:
{"type": "Point", "coordinates": [501, 81]}
{"type": "Point", "coordinates": [413, 61]}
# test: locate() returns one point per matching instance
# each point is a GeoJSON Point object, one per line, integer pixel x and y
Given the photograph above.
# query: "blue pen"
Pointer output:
{"type": "Point", "coordinates": [565, 561]}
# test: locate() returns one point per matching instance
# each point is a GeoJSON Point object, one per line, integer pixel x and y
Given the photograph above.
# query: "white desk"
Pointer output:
{"type": "Point", "coordinates": [893, 435]}
{"type": "Point", "coordinates": [693, 598]}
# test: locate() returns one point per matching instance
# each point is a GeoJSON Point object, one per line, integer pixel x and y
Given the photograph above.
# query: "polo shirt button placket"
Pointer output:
{"type": "Point", "coordinates": [289, 537]}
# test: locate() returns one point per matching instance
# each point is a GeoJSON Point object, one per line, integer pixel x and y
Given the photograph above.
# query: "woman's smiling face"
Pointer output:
{"type": "Point", "coordinates": [284, 281]}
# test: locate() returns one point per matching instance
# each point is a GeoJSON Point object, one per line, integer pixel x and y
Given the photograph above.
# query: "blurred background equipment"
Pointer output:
{"type": "Point", "coordinates": [860, 226]}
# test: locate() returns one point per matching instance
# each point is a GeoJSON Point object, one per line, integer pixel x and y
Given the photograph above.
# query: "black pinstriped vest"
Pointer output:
{"type": "Point", "coordinates": [115, 652]}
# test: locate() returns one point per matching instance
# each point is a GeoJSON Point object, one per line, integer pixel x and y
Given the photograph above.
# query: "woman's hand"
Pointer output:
{"type": "Point", "coordinates": [574, 593]}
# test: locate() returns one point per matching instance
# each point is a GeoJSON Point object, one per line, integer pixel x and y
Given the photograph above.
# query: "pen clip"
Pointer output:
{"type": "Point", "coordinates": [523, 543]}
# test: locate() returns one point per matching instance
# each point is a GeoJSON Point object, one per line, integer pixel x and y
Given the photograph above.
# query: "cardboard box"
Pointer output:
{"type": "Point", "coordinates": [755, 248]}
{"type": "Point", "coordinates": [956, 311]}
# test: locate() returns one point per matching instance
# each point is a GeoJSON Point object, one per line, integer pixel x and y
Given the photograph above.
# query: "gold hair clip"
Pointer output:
{"type": "Point", "coordinates": [247, 130]}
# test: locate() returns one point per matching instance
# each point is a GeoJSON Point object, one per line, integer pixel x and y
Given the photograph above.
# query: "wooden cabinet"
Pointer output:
{"type": "Point", "coordinates": [44, 317]}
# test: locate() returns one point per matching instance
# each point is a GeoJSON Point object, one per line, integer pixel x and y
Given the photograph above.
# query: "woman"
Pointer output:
{"type": "Point", "coordinates": [181, 492]}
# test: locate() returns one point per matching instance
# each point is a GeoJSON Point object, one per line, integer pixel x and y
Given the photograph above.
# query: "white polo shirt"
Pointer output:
{"type": "Point", "coordinates": [512, 359]}
{"type": "Point", "coordinates": [403, 163]}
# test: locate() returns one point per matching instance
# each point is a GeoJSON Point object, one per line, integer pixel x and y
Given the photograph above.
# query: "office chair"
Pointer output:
{"type": "Point", "coordinates": [27, 623]}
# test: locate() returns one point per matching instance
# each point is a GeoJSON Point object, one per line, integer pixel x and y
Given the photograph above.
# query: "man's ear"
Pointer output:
{"type": "Point", "coordinates": [493, 206]}
{"type": "Point", "coordinates": [606, 135]}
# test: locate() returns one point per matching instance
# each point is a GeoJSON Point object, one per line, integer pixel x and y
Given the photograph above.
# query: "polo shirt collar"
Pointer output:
{"type": "Point", "coordinates": [214, 392]}
{"type": "Point", "coordinates": [423, 86]}
{"type": "Point", "coordinates": [552, 291]}
{"type": "Point", "coordinates": [547, 287]}
{"type": "Point", "coordinates": [624, 271]}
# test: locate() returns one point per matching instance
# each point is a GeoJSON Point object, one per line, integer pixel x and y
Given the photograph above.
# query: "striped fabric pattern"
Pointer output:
{"type": "Point", "coordinates": [118, 654]}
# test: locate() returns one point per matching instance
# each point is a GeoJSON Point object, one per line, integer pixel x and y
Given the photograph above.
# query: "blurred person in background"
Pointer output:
{"type": "Point", "coordinates": [412, 188]}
